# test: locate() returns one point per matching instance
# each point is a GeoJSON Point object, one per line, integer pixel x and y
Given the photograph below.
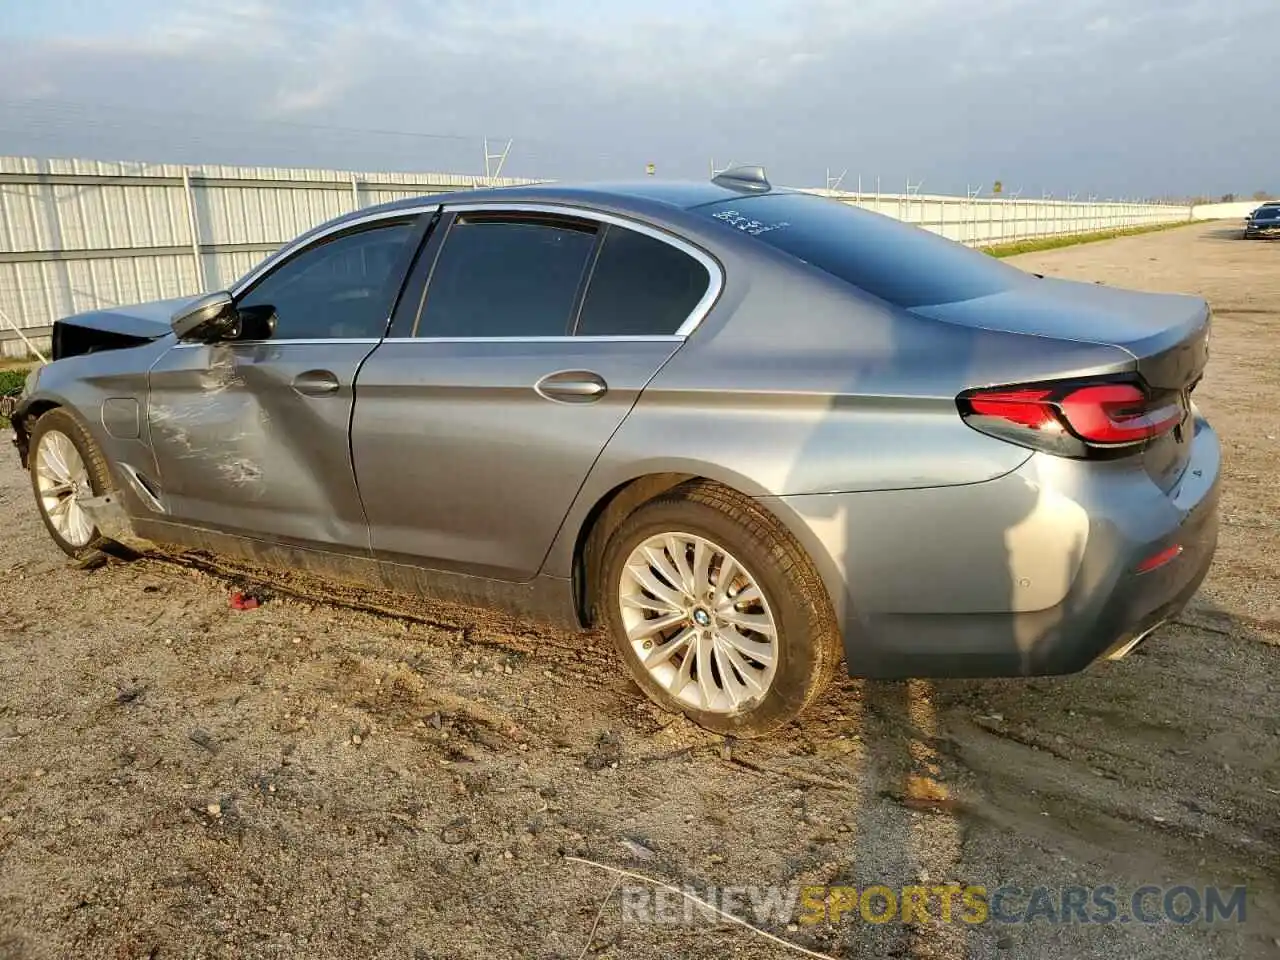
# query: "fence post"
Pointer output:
{"type": "Point", "coordinates": [193, 219]}
{"type": "Point", "coordinates": [355, 193]}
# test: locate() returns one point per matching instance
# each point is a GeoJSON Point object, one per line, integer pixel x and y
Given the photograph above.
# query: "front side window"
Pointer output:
{"type": "Point", "coordinates": [507, 276]}
{"type": "Point", "coordinates": [640, 286]}
{"type": "Point", "coordinates": [339, 288]}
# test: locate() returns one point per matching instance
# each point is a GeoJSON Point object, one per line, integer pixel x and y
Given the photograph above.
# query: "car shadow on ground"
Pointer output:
{"type": "Point", "coordinates": [1157, 769]}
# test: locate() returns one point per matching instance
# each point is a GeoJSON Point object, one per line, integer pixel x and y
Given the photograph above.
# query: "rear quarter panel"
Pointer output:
{"type": "Point", "coordinates": [797, 383]}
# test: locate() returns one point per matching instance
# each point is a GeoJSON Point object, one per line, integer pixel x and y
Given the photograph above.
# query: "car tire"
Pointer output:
{"type": "Point", "coordinates": [54, 431]}
{"type": "Point", "coordinates": [805, 642]}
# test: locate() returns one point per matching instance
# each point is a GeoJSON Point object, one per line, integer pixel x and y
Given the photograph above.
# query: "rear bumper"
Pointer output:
{"type": "Point", "coordinates": [1088, 625]}
{"type": "Point", "coordinates": [955, 594]}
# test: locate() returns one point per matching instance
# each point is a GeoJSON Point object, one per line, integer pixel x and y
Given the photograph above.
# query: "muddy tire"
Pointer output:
{"type": "Point", "coordinates": [66, 465]}
{"type": "Point", "coordinates": [717, 611]}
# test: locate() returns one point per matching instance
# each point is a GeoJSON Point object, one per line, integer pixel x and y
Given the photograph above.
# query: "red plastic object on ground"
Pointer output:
{"type": "Point", "coordinates": [244, 601]}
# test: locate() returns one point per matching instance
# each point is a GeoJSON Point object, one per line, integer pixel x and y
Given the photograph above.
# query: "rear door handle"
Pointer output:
{"type": "Point", "coordinates": [572, 386]}
{"type": "Point", "coordinates": [316, 383]}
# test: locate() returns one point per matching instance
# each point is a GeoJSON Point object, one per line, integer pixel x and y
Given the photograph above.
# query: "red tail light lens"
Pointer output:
{"type": "Point", "coordinates": [1026, 408]}
{"type": "Point", "coordinates": [1117, 413]}
{"type": "Point", "coordinates": [1071, 419]}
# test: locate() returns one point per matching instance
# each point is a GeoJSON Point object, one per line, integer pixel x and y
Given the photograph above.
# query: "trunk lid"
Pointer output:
{"type": "Point", "coordinates": [1166, 334]}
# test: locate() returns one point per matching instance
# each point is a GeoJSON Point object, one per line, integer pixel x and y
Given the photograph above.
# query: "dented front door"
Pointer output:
{"type": "Point", "coordinates": [252, 438]}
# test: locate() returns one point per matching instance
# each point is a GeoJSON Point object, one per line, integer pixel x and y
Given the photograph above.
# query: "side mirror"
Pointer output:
{"type": "Point", "coordinates": [212, 317]}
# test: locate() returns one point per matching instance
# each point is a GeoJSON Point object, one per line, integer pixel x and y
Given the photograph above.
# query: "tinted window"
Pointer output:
{"type": "Point", "coordinates": [504, 277]}
{"type": "Point", "coordinates": [1267, 213]}
{"type": "Point", "coordinates": [338, 288]}
{"type": "Point", "coordinates": [640, 287]}
{"type": "Point", "coordinates": [902, 264]}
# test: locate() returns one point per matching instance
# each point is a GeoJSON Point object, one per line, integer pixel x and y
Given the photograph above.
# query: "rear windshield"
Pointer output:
{"type": "Point", "coordinates": [905, 265]}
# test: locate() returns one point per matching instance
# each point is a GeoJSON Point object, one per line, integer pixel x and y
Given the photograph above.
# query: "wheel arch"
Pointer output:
{"type": "Point", "coordinates": [610, 509]}
{"type": "Point", "coordinates": [604, 516]}
{"type": "Point", "coordinates": [28, 412]}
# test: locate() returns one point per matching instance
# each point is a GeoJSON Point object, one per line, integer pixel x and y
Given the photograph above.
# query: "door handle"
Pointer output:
{"type": "Point", "coordinates": [316, 383]}
{"type": "Point", "coordinates": [572, 386]}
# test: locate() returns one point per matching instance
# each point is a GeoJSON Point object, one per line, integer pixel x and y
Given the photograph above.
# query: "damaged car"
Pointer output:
{"type": "Point", "coordinates": [747, 432]}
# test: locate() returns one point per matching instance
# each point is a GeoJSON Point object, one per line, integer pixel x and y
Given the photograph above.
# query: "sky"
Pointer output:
{"type": "Point", "coordinates": [1106, 98]}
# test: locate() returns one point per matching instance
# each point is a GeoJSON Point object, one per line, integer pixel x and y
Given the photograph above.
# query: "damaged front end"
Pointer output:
{"type": "Point", "coordinates": [81, 335]}
{"type": "Point", "coordinates": [14, 407]}
{"type": "Point", "coordinates": [116, 328]}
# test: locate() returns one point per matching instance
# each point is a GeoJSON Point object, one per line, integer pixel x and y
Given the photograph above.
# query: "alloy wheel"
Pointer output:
{"type": "Point", "coordinates": [63, 481]}
{"type": "Point", "coordinates": [698, 622]}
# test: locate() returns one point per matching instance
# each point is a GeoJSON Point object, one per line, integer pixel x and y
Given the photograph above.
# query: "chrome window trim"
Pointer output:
{"type": "Point", "coordinates": [301, 243]}
{"type": "Point", "coordinates": [653, 338]}
{"type": "Point", "coordinates": [715, 273]}
{"type": "Point", "coordinates": [603, 338]}
{"type": "Point", "coordinates": [302, 341]}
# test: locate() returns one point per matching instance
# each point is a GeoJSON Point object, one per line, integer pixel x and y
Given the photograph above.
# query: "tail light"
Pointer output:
{"type": "Point", "coordinates": [1073, 419]}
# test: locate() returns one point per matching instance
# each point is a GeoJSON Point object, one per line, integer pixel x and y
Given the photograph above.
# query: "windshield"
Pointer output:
{"type": "Point", "coordinates": [905, 265]}
{"type": "Point", "coordinates": [1267, 213]}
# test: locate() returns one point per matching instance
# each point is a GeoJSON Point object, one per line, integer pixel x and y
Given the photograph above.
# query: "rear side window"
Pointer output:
{"type": "Point", "coordinates": [640, 286]}
{"type": "Point", "coordinates": [506, 277]}
{"type": "Point", "coordinates": [905, 265]}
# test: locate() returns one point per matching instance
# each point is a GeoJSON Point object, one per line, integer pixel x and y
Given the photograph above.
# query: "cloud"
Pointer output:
{"type": "Point", "coordinates": [1080, 95]}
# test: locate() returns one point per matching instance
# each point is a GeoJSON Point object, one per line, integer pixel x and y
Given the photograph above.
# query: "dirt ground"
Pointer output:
{"type": "Point", "coordinates": [179, 779]}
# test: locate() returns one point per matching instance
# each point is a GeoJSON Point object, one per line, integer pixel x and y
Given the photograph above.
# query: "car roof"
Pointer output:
{"type": "Point", "coordinates": [639, 196]}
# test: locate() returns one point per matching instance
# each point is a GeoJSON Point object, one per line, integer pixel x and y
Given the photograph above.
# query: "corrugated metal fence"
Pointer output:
{"type": "Point", "coordinates": [80, 235]}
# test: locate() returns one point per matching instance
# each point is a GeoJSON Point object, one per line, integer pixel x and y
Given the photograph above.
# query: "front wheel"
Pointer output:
{"type": "Point", "coordinates": [717, 611]}
{"type": "Point", "coordinates": [67, 468]}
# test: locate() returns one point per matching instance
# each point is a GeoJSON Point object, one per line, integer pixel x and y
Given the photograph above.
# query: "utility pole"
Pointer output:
{"type": "Point", "coordinates": [491, 171]}
{"type": "Point", "coordinates": [913, 190]}
{"type": "Point", "coordinates": [971, 220]}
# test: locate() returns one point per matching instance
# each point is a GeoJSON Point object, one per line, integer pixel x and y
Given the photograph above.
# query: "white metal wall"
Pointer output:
{"type": "Point", "coordinates": [79, 235]}
{"type": "Point", "coordinates": [1235, 210]}
{"type": "Point", "coordinates": [988, 221]}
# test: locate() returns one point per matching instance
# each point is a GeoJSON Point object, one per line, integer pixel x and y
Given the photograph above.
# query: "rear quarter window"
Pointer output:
{"type": "Point", "coordinates": [904, 265]}
{"type": "Point", "coordinates": [640, 287]}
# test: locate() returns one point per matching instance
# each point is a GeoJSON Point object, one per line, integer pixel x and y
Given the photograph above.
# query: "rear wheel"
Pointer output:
{"type": "Point", "coordinates": [717, 611]}
{"type": "Point", "coordinates": [67, 468]}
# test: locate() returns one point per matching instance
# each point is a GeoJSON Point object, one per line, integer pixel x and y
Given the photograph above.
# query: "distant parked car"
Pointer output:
{"type": "Point", "coordinates": [1263, 223]}
{"type": "Point", "coordinates": [743, 430]}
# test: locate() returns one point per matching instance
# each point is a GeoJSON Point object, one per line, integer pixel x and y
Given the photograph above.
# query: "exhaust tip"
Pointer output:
{"type": "Point", "coordinates": [1128, 646]}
